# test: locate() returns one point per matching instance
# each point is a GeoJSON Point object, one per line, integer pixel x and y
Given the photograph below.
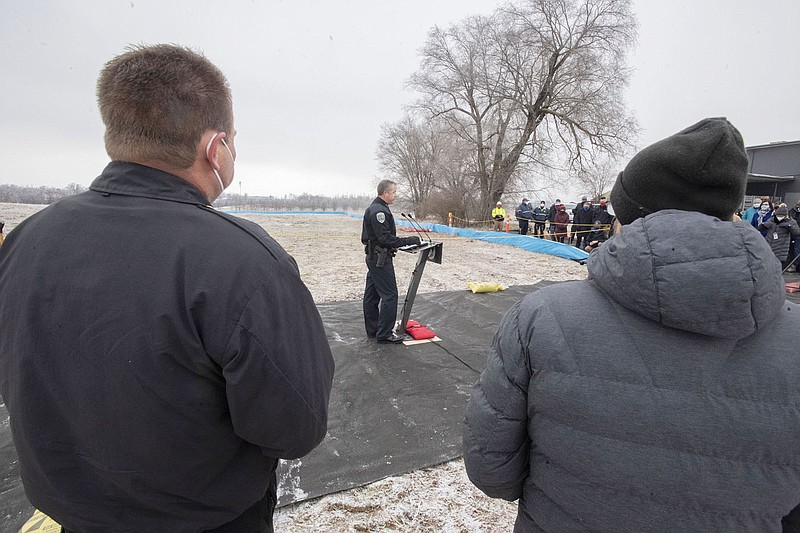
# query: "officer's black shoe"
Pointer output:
{"type": "Point", "coordinates": [394, 339]}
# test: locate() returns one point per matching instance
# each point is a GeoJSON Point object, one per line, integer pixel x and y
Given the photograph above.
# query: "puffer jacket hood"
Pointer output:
{"type": "Point", "coordinates": [669, 267]}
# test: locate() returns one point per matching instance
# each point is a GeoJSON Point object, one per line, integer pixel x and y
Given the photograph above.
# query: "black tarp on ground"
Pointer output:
{"type": "Point", "coordinates": [397, 408]}
{"type": "Point", "coordinates": [393, 408]}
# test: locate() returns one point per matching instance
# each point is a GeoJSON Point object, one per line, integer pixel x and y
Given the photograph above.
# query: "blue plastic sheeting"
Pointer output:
{"type": "Point", "coordinates": [526, 242]}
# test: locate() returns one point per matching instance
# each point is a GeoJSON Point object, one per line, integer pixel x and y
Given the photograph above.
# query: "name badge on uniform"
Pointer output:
{"type": "Point", "coordinates": [775, 236]}
{"type": "Point", "coordinates": [381, 217]}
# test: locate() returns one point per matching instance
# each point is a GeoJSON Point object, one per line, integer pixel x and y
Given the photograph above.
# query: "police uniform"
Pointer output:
{"type": "Point", "coordinates": [378, 234]}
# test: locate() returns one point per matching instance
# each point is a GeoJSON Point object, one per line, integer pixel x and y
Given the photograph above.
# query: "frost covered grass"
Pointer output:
{"type": "Point", "coordinates": [440, 498]}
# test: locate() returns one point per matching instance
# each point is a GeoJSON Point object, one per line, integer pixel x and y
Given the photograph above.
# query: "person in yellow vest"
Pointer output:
{"type": "Point", "coordinates": [498, 216]}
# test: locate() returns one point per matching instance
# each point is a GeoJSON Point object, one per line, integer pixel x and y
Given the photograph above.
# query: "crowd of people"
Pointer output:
{"type": "Point", "coordinates": [590, 224]}
{"type": "Point", "coordinates": [780, 226]}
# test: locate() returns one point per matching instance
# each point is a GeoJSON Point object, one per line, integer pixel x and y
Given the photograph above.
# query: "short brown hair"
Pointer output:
{"type": "Point", "coordinates": [384, 186]}
{"type": "Point", "coordinates": [157, 101]}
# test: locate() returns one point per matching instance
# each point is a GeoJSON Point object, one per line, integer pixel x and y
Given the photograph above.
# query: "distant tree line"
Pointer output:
{"type": "Point", "coordinates": [20, 194]}
{"type": "Point", "coordinates": [302, 202]}
{"type": "Point", "coordinates": [291, 202]}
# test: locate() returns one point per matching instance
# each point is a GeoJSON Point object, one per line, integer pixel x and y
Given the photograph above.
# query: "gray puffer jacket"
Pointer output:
{"type": "Point", "coordinates": [684, 415]}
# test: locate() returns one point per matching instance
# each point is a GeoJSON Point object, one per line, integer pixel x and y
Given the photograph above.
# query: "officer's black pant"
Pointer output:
{"type": "Point", "coordinates": [380, 299]}
{"type": "Point", "coordinates": [538, 229]}
{"type": "Point", "coordinates": [523, 226]}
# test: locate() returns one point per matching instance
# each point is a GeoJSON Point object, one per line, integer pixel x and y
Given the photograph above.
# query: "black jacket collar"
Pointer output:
{"type": "Point", "coordinates": [132, 179]}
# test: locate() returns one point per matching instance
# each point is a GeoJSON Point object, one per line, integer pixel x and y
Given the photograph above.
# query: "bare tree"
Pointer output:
{"type": "Point", "coordinates": [433, 167]}
{"type": "Point", "coordinates": [408, 151]}
{"type": "Point", "coordinates": [455, 182]}
{"type": "Point", "coordinates": [536, 78]}
{"type": "Point", "coordinates": [598, 176]}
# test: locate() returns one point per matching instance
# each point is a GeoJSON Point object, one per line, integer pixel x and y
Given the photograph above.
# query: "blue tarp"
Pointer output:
{"type": "Point", "coordinates": [526, 242]}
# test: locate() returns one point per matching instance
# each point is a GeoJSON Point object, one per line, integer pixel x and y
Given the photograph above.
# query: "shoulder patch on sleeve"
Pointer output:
{"type": "Point", "coordinates": [381, 216]}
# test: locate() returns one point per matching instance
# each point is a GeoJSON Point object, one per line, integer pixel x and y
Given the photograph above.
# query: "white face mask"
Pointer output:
{"type": "Point", "coordinates": [233, 160]}
{"type": "Point", "coordinates": [764, 208]}
{"type": "Point", "coordinates": [780, 218]}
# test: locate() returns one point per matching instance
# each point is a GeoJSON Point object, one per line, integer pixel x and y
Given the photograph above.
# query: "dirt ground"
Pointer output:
{"type": "Point", "coordinates": [331, 261]}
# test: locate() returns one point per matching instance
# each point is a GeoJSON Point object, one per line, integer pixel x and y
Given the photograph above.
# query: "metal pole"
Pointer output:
{"type": "Point", "coordinates": [426, 252]}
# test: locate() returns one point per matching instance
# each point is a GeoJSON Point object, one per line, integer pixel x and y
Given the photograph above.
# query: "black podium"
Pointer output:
{"type": "Point", "coordinates": [427, 251]}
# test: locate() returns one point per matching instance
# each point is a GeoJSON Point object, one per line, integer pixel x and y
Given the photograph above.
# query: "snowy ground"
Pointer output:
{"type": "Point", "coordinates": [331, 261]}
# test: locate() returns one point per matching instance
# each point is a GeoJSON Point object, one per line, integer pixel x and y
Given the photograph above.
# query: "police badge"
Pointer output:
{"type": "Point", "coordinates": [381, 217]}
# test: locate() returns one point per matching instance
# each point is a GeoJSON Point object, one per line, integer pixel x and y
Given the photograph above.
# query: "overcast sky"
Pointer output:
{"type": "Point", "coordinates": [313, 81]}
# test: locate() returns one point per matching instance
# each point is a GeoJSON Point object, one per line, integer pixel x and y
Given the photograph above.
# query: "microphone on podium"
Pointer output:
{"type": "Point", "coordinates": [418, 227]}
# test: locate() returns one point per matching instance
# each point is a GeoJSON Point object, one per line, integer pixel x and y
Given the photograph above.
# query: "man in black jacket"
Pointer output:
{"type": "Point", "coordinates": [596, 236]}
{"type": "Point", "coordinates": [524, 216]}
{"type": "Point", "coordinates": [539, 219]}
{"type": "Point", "coordinates": [158, 356]}
{"type": "Point", "coordinates": [380, 240]}
{"type": "Point", "coordinates": [582, 223]}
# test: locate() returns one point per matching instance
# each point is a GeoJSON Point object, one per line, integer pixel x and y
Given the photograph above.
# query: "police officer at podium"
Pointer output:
{"type": "Point", "coordinates": [378, 234]}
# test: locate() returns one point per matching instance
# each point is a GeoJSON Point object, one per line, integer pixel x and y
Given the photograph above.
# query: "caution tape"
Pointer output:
{"type": "Point", "coordinates": [551, 223]}
{"type": "Point", "coordinates": [590, 230]}
{"type": "Point", "coordinates": [474, 222]}
{"type": "Point", "coordinates": [575, 232]}
{"type": "Point", "coordinates": [571, 232]}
